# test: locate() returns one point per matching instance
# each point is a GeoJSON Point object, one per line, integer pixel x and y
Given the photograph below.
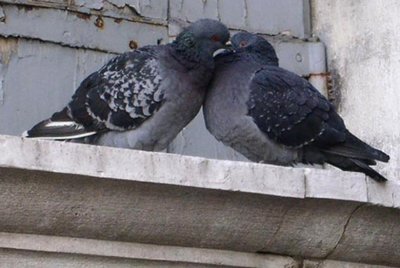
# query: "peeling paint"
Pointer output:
{"type": "Point", "coordinates": [122, 4]}
{"type": "Point", "coordinates": [68, 28]}
{"type": "Point", "coordinates": [7, 48]}
{"type": "Point", "coordinates": [151, 11]}
{"type": "Point", "coordinates": [92, 4]}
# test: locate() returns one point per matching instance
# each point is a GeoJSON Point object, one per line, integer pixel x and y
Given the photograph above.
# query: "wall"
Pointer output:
{"type": "Point", "coordinates": [41, 65]}
{"type": "Point", "coordinates": [363, 50]}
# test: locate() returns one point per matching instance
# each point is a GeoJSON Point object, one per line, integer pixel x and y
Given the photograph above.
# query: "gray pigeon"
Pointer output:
{"type": "Point", "coordinates": [274, 116]}
{"type": "Point", "coordinates": [141, 99]}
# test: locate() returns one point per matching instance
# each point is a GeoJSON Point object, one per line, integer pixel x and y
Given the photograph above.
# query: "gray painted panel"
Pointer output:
{"type": "Point", "coordinates": [155, 11]}
{"type": "Point", "coordinates": [40, 79]}
{"type": "Point", "coordinates": [74, 30]}
{"type": "Point", "coordinates": [261, 16]}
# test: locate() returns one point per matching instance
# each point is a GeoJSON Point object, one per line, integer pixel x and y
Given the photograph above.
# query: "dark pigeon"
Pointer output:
{"type": "Point", "coordinates": [141, 99]}
{"type": "Point", "coordinates": [274, 116]}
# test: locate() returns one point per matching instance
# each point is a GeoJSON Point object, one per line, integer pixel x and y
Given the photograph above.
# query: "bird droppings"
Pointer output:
{"type": "Point", "coordinates": [83, 16]}
{"type": "Point", "coordinates": [133, 44]}
{"type": "Point", "coordinates": [299, 58]}
{"type": "Point", "coordinates": [99, 22]}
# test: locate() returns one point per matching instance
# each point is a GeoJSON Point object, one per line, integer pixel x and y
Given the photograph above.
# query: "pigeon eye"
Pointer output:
{"type": "Point", "coordinates": [189, 42]}
{"type": "Point", "coordinates": [242, 44]}
{"type": "Point", "coordinates": [216, 38]}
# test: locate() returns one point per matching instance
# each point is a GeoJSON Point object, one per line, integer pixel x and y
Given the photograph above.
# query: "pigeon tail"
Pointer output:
{"type": "Point", "coordinates": [357, 165]}
{"type": "Point", "coordinates": [353, 147]}
{"type": "Point", "coordinates": [59, 127]}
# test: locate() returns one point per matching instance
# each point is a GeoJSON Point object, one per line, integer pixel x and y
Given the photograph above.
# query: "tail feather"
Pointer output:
{"type": "Point", "coordinates": [59, 127]}
{"type": "Point", "coordinates": [357, 165]}
{"type": "Point", "coordinates": [356, 148]}
{"type": "Point", "coordinates": [367, 170]}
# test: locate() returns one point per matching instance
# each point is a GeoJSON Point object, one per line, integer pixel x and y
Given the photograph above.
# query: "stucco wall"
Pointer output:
{"type": "Point", "coordinates": [363, 53]}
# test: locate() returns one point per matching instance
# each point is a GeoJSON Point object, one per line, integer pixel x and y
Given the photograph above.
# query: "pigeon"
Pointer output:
{"type": "Point", "coordinates": [274, 116]}
{"type": "Point", "coordinates": [143, 98]}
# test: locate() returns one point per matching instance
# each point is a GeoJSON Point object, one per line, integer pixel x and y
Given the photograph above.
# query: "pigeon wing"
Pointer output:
{"type": "Point", "coordinates": [291, 111]}
{"type": "Point", "coordinates": [121, 95]}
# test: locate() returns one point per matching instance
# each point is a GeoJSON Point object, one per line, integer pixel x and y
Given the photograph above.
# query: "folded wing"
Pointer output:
{"type": "Point", "coordinates": [120, 96]}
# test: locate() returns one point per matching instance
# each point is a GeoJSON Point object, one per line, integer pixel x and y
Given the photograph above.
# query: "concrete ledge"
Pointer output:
{"type": "Point", "coordinates": [141, 252]}
{"type": "Point", "coordinates": [161, 168]}
{"type": "Point", "coordinates": [74, 190]}
{"type": "Point", "coordinates": [21, 250]}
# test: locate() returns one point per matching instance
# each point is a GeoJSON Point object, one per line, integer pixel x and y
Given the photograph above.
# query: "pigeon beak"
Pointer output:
{"type": "Point", "coordinates": [227, 48]}
{"type": "Point", "coordinates": [219, 51]}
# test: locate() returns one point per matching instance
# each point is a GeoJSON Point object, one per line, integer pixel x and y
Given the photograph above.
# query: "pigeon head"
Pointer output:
{"type": "Point", "coordinates": [201, 39]}
{"type": "Point", "coordinates": [256, 45]}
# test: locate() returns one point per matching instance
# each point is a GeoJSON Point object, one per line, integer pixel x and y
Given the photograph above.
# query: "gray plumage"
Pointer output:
{"type": "Point", "coordinates": [273, 116]}
{"type": "Point", "coordinates": [141, 99]}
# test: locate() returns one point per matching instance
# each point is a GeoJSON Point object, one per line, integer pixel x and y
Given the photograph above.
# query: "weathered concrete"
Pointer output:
{"type": "Point", "coordinates": [337, 264]}
{"type": "Point", "coordinates": [64, 189]}
{"type": "Point", "coordinates": [363, 48]}
{"type": "Point", "coordinates": [19, 249]}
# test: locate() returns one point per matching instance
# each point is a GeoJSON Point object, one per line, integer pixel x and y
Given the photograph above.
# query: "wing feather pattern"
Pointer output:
{"type": "Point", "coordinates": [120, 96]}
{"type": "Point", "coordinates": [291, 111]}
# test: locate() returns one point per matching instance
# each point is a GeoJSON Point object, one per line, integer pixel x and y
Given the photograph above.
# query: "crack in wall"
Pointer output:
{"type": "Point", "coordinates": [342, 236]}
{"type": "Point", "coordinates": [246, 13]}
{"type": "Point", "coordinates": [116, 13]}
{"type": "Point", "coordinates": [17, 36]}
{"type": "Point", "coordinates": [265, 249]}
